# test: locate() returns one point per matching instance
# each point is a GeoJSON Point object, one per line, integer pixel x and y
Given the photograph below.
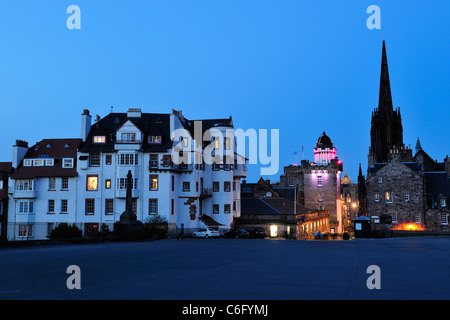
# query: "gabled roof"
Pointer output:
{"type": "Point", "coordinates": [437, 183]}
{"type": "Point", "coordinates": [150, 124]}
{"type": "Point", "coordinates": [270, 206]}
{"type": "Point", "coordinates": [56, 149]}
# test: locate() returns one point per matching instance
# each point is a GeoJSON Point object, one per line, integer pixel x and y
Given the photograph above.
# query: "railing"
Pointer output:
{"type": "Point", "coordinates": [128, 141]}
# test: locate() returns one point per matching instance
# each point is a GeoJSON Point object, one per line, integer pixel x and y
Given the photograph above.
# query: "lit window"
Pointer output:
{"type": "Point", "coordinates": [377, 197]}
{"type": "Point", "coordinates": [108, 183]}
{"type": "Point", "coordinates": [99, 139]}
{"type": "Point", "coordinates": [92, 183]}
{"type": "Point", "coordinates": [153, 182]}
{"type": "Point", "coordinates": [154, 139]}
{"type": "Point", "coordinates": [388, 196]}
{"type": "Point", "coordinates": [25, 230]}
{"type": "Point", "coordinates": [38, 162]}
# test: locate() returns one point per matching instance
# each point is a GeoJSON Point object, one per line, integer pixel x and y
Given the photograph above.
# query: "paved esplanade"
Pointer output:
{"type": "Point", "coordinates": [215, 269]}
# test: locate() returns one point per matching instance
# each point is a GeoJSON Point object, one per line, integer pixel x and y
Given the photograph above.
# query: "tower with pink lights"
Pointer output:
{"type": "Point", "coordinates": [318, 183]}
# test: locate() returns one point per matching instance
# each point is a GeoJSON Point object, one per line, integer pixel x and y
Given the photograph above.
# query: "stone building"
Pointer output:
{"type": "Point", "coordinates": [349, 201]}
{"type": "Point", "coordinates": [275, 209]}
{"type": "Point", "coordinates": [412, 190]}
{"type": "Point", "coordinates": [319, 182]}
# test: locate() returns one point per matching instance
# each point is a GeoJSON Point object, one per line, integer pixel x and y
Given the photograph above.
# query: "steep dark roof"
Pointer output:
{"type": "Point", "coordinates": [56, 149]}
{"type": "Point", "coordinates": [151, 124]}
{"type": "Point", "coordinates": [270, 206]}
{"type": "Point", "coordinates": [437, 183]}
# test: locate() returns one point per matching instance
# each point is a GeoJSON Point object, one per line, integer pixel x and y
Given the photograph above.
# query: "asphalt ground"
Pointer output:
{"type": "Point", "coordinates": [231, 269]}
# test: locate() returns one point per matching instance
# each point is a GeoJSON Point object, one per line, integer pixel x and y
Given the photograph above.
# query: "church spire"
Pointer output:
{"type": "Point", "coordinates": [385, 99]}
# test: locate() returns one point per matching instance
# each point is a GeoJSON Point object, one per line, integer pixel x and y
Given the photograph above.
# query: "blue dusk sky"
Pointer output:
{"type": "Point", "coordinates": [302, 67]}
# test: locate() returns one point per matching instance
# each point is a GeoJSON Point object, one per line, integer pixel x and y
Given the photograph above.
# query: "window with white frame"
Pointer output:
{"type": "Point", "coordinates": [51, 183]}
{"type": "Point", "coordinates": [406, 197]}
{"type": "Point", "coordinates": [25, 230]}
{"type": "Point", "coordinates": [51, 206]}
{"type": "Point", "coordinates": [65, 183]}
{"type": "Point", "coordinates": [128, 159]}
{"type": "Point", "coordinates": [67, 163]}
{"type": "Point", "coordinates": [152, 206]}
{"type": "Point", "coordinates": [64, 205]}
{"type": "Point", "coordinates": [376, 197]}
{"type": "Point", "coordinates": [394, 217]}
{"type": "Point", "coordinates": [25, 206]}
{"type": "Point", "coordinates": [444, 219]}
{"type": "Point", "coordinates": [24, 185]}
{"type": "Point", "coordinates": [154, 161]}
{"type": "Point", "coordinates": [122, 183]}
{"type": "Point", "coordinates": [417, 218]}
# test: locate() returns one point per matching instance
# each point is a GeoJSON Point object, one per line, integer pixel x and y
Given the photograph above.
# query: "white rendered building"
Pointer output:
{"type": "Point", "coordinates": [191, 194]}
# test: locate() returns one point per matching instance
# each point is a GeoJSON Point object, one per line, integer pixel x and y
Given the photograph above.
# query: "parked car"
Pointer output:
{"type": "Point", "coordinates": [255, 232]}
{"type": "Point", "coordinates": [205, 233]}
{"type": "Point", "coordinates": [237, 233]}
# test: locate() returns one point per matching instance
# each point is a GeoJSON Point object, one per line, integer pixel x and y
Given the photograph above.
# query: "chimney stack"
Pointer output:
{"type": "Point", "coordinates": [85, 124]}
{"type": "Point", "coordinates": [19, 151]}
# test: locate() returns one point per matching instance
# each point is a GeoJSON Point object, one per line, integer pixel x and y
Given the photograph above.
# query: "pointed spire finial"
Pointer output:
{"type": "Point", "coordinates": [385, 98]}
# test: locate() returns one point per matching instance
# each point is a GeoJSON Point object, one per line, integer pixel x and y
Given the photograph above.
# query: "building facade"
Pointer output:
{"type": "Point", "coordinates": [84, 182]}
{"type": "Point", "coordinates": [411, 189]}
{"type": "Point", "coordinates": [319, 182]}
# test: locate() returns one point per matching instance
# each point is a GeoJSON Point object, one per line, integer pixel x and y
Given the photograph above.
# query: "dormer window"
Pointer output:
{"type": "Point", "coordinates": [67, 163]}
{"type": "Point", "coordinates": [99, 139]}
{"type": "Point", "coordinates": [27, 163]}
{"type": "Point", "coordinates": [129, 137]}
{"type": "Point", "coordinates": [154, 139]}
{"type": "Point", "coordinates": [38, 162]}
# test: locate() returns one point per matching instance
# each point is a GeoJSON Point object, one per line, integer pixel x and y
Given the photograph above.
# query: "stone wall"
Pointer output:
{"type": "Point", "coordinates": [406, 188]}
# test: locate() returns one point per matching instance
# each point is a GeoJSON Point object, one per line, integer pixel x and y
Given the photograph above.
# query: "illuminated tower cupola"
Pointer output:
{"type": "Point", "coordinates": [324, 151]}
